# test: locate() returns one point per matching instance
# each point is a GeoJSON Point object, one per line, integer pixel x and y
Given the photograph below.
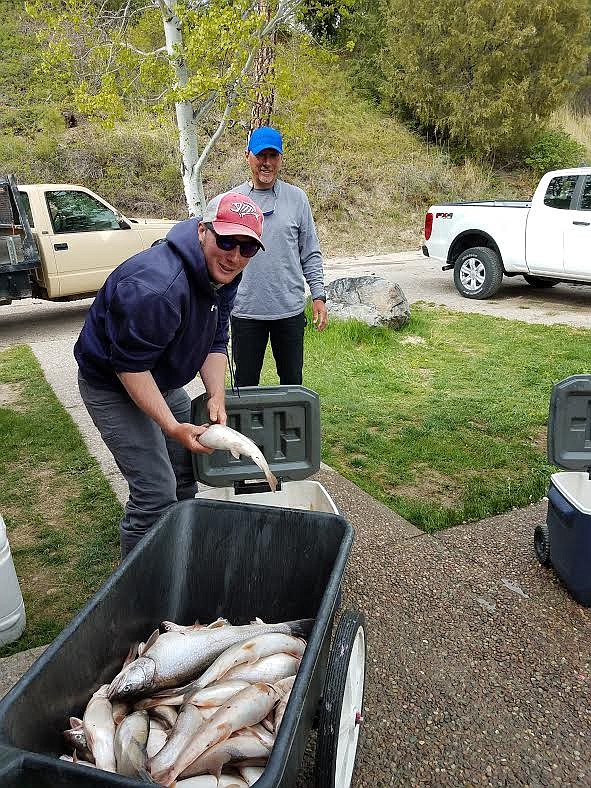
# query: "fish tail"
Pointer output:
{"type": "Point", "coordinates": [262, 463]}
{"type": "Point", "coordinates": [302, 627]}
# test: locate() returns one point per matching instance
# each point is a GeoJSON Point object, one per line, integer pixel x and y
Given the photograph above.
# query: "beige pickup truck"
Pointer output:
{"type": "Point", "coordinates": [60, 242]}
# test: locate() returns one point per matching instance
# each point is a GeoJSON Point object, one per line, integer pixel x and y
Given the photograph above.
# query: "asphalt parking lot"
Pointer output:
{"type": "Point", "coordinates": [422, 279]}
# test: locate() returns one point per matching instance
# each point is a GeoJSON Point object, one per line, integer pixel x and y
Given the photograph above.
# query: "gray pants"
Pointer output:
{"type": "Point", "coordinates": [158, 470]}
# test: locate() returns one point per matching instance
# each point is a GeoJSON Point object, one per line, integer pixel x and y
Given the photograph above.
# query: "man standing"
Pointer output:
{"type": "Point", "coordinates": [160, 318]}
{"type": "Point", "coordinates": [271, 298]}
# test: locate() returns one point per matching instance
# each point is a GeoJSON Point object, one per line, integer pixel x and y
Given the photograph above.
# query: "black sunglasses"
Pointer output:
{"type": "Point", "coordinates": [271, 211]}
{"type": "Point", "coordinates": [228, 242]}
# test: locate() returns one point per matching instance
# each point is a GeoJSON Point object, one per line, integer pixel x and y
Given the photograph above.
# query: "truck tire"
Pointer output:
{"type": "Point", "coordinates": [540, 281]}
{"type": "Point", "coordinates": [478, 272]}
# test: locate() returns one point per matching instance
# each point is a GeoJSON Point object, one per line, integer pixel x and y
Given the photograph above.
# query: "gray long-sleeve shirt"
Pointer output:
{"type": "Point", "coordinates": [272, 286]}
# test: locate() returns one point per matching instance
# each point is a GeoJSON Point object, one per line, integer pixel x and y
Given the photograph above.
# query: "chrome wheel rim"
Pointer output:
{"type": "Point", "coordinates": [472, 274]}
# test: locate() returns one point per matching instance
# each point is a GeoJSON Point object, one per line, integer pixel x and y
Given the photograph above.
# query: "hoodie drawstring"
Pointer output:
{"type": "Point", "coordinates": [235, 389]}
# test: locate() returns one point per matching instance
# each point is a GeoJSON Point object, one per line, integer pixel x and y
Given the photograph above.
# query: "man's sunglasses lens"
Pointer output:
{"type": "Point", "coordinates": [227, 242]}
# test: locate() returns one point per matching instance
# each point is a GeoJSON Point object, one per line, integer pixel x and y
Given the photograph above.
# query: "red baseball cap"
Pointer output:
{"type": "Point", "coordinates": [231, 213]}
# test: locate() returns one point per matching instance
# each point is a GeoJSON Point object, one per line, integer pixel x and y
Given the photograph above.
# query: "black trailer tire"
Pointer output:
{"type": "Point", "coordinates": [542, 544]}
{"type": "Point", "coordinates": [478, 272]}
{"type": "Point", "coordinates": [341, 707]}
{"type": "Point", "coordinates": [540, 281]}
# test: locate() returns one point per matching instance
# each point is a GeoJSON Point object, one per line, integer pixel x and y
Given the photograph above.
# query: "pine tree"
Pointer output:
{"type": "Point", "coordinates": [482, 72]}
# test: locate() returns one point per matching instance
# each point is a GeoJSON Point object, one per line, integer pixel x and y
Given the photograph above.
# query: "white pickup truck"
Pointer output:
{"type": "Point", "coordinates": [546, 240]}
{"type": "Point", "coordinates": [60, 242]}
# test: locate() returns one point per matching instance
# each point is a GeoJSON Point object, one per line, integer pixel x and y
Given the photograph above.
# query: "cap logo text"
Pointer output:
{"type": "Point", "coordinates": [243, 209]}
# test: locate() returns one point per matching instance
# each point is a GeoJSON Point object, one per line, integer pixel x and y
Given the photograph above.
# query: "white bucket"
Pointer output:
{"type": "Point", "coordinates": [12, 607]}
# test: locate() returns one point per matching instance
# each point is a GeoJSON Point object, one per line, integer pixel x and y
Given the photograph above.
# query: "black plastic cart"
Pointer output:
{"type": "Point", "coordinates": [205, 559]}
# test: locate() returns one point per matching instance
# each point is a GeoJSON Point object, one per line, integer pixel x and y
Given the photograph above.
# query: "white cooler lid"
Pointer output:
{"type": "Point", "coordinates": [575, 486]}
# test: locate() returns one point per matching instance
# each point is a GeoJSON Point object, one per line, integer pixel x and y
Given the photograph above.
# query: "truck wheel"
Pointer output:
{"type": "Point", "coordinates": [540, 281]}
{"type": "Point", "coordinates": [478, 272]}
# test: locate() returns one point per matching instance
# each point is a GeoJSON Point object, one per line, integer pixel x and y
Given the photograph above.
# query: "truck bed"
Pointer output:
{"type": "Point", "coordinates": [18, 251]}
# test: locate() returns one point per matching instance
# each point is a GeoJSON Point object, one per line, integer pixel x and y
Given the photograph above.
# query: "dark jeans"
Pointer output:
{"type": "Point", "coordinates": [158, 470]}
{"type": "Point", "coordinates": [249, 342]}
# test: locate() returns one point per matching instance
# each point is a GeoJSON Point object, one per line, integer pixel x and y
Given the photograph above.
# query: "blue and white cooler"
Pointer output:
{"type": "Point", "coordinates": [564, 541]}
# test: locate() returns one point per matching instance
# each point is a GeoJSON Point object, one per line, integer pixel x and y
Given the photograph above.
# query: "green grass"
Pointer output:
{"type": "Point", "coordinates": [60, 511]}
{"type": "Point", "coordinates": [444, 421]}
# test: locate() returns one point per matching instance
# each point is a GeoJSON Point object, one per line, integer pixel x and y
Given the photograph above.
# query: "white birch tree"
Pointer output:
{"type": "Point", "coordinates": [199, 59]}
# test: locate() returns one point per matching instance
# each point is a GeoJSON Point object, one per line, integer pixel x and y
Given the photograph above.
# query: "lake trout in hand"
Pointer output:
{"type": "Point", "coordinates": [220, 437]}
{"type": "Point", "coordinates": [174, 658]}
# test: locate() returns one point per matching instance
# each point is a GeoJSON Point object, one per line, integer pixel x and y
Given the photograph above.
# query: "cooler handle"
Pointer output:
{"type": "Point", "coordinates": [244, 488]}
{"type": "Point", "coordinates": [562, 506]}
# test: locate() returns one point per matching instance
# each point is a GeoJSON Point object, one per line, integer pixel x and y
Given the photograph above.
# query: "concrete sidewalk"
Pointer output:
{"type": "Point", "coordinates": [478, 667]}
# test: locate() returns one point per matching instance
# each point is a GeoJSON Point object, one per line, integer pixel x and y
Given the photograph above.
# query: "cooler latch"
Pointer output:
{"type": "Point", "coordinates": [245, 487]}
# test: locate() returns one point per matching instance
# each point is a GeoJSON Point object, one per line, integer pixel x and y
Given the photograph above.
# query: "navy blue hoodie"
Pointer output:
{"type": "Point", "coordinates": [157, 311]}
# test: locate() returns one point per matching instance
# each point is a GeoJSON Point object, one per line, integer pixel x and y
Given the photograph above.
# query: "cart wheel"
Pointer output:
{"type": "Point", "coordinates": [542, 544]}
{"type": "Point", "coordinates": [341, 708]}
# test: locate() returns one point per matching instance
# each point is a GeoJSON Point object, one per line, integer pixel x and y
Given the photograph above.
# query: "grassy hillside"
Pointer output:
{"type": "Point", "coordinates": [369, 179]}
{"type": "Point", "coordinates": [577, 124]}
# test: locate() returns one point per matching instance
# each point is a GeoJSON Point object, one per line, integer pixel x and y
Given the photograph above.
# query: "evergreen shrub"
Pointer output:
{"type": "Point", "coordinates": [554, 150]}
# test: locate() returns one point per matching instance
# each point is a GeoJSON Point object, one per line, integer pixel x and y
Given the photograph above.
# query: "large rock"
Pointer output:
{"type": "Point", "coordinates": [371, 299]}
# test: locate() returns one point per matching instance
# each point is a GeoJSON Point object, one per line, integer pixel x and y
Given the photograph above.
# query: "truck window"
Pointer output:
{"type": "Point", "coordinates": [27, 206]}
{"type": "Point", "coordinates": [586, 195]}
{"type": "Point", "coordinates": [560, 192]}
{"type": "Point", "coordinates": [78, 212]}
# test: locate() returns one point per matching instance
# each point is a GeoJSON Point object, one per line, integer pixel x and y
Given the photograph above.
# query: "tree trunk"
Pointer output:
{"type": "Point", "coordinates": [262, 107]}
{"type": "Point", "coordinates": [185, 117]}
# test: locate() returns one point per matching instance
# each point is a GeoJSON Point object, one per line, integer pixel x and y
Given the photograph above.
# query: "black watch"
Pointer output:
{"type": "Point", "coordinates": [320, 298]}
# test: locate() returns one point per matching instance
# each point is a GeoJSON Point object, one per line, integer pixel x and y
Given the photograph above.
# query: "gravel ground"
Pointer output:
{"type": "Point", "coordinates": [478, 659]}
{"type": "Point", "coordinates": [478, 663]}
{"type": "Point", "coordinates": [421, 279]}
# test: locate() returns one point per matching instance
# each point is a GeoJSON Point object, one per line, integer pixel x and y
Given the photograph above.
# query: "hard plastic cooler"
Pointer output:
{"type": "Point", "coordinates": [284, 422]}
{"type": "Point", "coordinates": [569, 524]}
{"type": "Point", "coordinates": [565, 542]}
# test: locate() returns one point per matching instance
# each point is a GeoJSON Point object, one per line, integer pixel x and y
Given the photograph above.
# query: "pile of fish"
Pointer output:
{"type": "Point", "coordinates": [194, 706]}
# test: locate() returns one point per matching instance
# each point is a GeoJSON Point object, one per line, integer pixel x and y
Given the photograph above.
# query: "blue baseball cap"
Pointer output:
{"type": "Point", "coordinates": [265, 137]}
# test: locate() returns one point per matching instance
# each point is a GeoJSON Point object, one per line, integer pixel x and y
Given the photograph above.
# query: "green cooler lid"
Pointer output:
{"type": "Point", "coordinates": [283, 421]}
{"type": "Point", "coordinates": [569, 424]}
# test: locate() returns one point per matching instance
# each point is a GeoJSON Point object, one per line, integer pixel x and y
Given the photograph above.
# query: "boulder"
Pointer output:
{"type": "Point", "coordinates": [371, 299]}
